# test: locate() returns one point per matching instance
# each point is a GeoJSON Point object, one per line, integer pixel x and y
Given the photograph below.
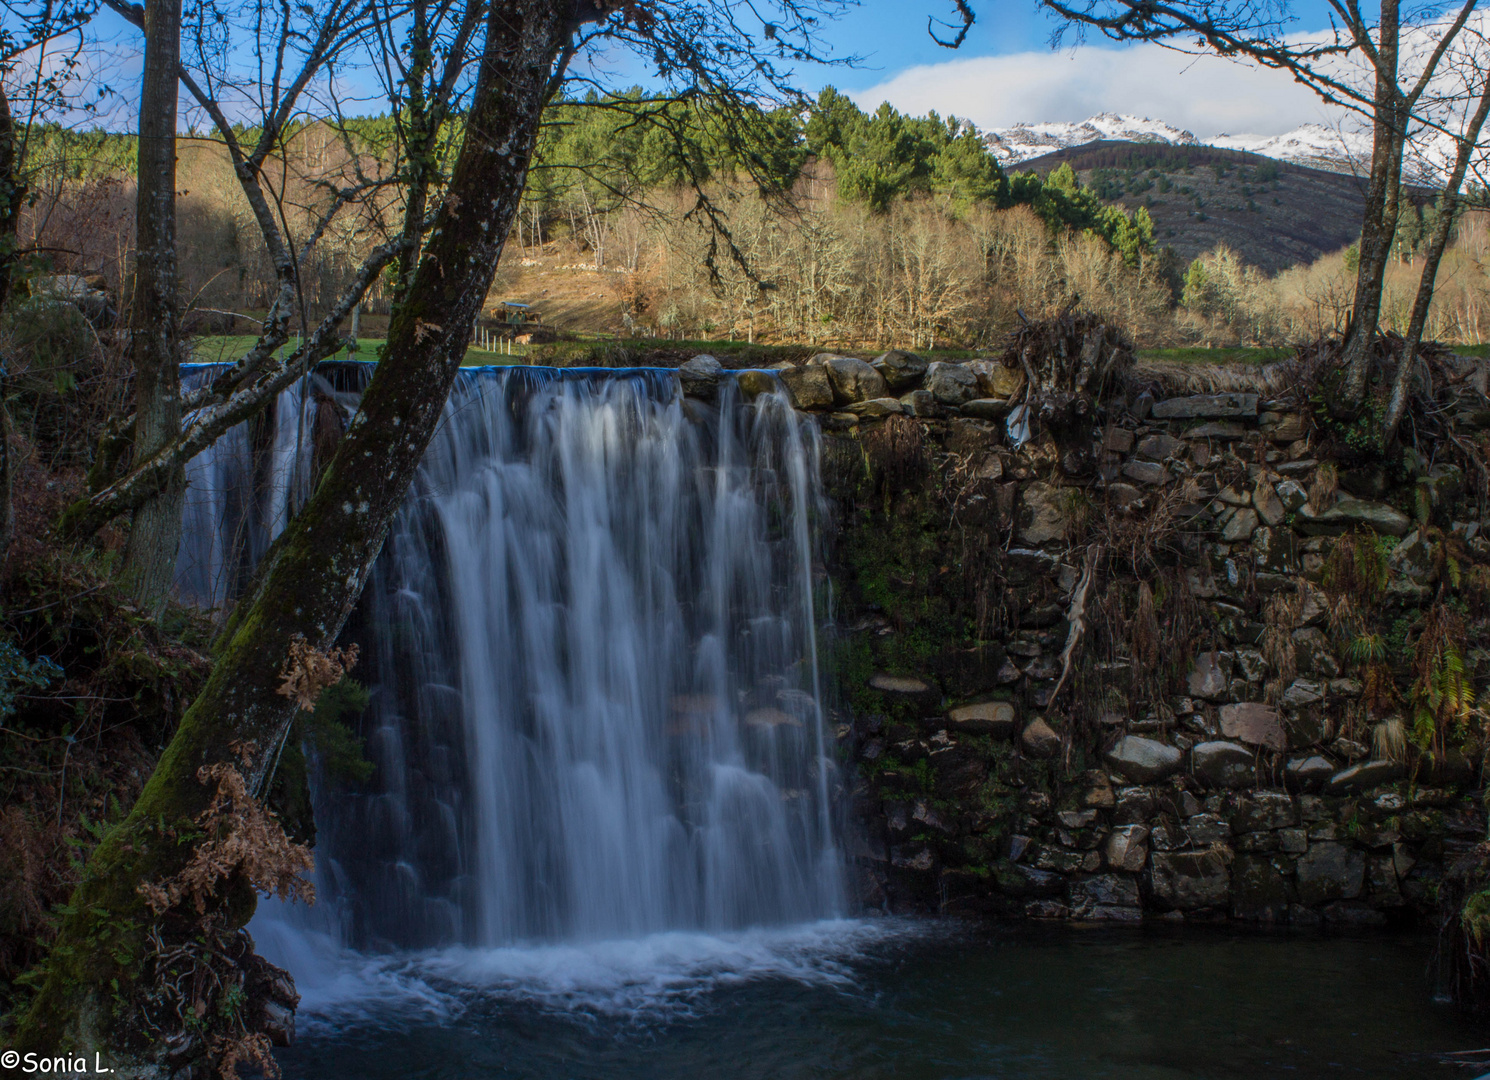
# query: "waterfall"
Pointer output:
{"type": "Point", "coordinates": [596, 710]}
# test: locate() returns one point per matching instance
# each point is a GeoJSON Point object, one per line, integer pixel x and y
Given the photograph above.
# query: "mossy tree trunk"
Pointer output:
{"type": "Point", "coordinates": [312, 576]}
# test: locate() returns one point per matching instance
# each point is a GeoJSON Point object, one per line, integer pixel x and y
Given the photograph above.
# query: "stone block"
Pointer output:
{"type": "Point", "coordinates": [1127, 848]}
{"type": "Point", "coordinates": [1255, 724]}
{"type": "Point", "coordinates": [1329, 871]}
{"type": "Point", "coordinates": [1202, 406]}
{"type": "Point", "coordinates": [951, 384]}
{"type": "Point", "coordinates": [1188, 880]}
{"type": "Point", "coordinates": [808, 386]}
{"type": "Point", "coordinates": [901, 370]}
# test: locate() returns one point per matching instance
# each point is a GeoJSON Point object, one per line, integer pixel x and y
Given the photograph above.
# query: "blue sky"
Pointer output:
{"type": "Point", "coordinates": [1006, 72]}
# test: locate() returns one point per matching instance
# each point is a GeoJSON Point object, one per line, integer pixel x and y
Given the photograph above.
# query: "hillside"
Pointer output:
{"type": "Point", "coordinates": [1275, 215]}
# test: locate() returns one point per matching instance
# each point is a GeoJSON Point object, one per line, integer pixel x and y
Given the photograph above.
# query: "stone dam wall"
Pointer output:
{"type": "Point", "coordinates": [1213, 740]}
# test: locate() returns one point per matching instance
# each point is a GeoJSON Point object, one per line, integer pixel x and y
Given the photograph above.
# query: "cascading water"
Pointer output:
{"type": "Point", "coordinates": [590, 643]}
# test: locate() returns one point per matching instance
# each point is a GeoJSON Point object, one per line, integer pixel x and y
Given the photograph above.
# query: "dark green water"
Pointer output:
{"type": "Point", "coordinates": [1009, 1002]}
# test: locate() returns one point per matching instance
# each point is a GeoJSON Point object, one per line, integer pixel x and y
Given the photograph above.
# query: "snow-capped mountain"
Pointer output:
{"type": "Point", "coordinates": [1314, 145]}
{"type": "Point", "coordinates": [1021, 142]}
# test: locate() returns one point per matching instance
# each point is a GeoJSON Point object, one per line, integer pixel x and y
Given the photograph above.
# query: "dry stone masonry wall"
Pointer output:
{"type": "Point", "coordinates": [1210, 739]}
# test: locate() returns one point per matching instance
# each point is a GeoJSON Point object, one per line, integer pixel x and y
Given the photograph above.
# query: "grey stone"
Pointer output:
{"type": "Point", "coordinates": [1252, 665]}
{"type": "Point", "coordinates": [1211, 676]}
{"type": "Point", "coordinates": [1103, 890]}
{"type": "Point", "coordinates": [1123, 495]}
{"type": "Point", "coordinates": [1040, 740]}
{"type": "Point", "coordinates": [874, 407]}
{"type": "Point", "coordinates": [1135, 805]}
{"type": "Point", "coordinates": [1187, 880]}
{"type": "Point", "coordinates": [1223, 764]}
{"type": "Point", "coordinates": [996, 379]}
{"type": "Point", "coordinates": [1262, 810]}
{"type": "Point", "coordinates": [1329, 871]}
{"type": "Point", "coordinates": [897, 684]}
{"type": "Point", "coordinates": [1292, 495]}
{"type": "Point", "coordinates": [854, 380]}
{"type": "Point", "coordinates": [1043, 513]}
{"type": "Point", "coordinates": [1206, 405]}
{"type": "Point", "coordinates": [700, 377]}
{"type": "Point", "coordinates": [920, 403]}
{"type": "Point", "coordinates": [1293, 841]}
{"type": "Point", "coordinates": [1348, 513]}
{"type": "Point", "coordinates": [1312, 652]}
{"type": "Point", "coordinates": [1127, 848]}
{"type": "Point", "coordinates": [1240, 527]}
{"type": "Point", "coordinates": [1258, 891]}
{"type": "Point", "coordinates": [1366, 775]}
{"type": "Point", "coordinates": [808, 386]}
{"type": "Point", "coordinates": [1308, 773]}
{"type": "Point", "coordinates": [1145, 472]}
{"type": "Point", "coordinates": [1255, 724]}
{"type": "Point", "coordinates": [951, 384]}
{"type": "Point", "coordinates": [1302, 692]}
{"type": "Point", "coordinates": [1076, 819]}
{"type": "Point", "coordinates": [1269, 506]}
{"type": "Point", "coordinates": [1141, 760]}
{"type": "Point", "coordinates": [1217, 429]}
{"type": "Point", "coordinates": [901, 370]}
{"type": "Point", "coordinates": [1275, 550]}
{"type": "Point", "coordinates": [996, 718]}
{"type": "Point", "coordinates": [1412, 558]}
{"type": "Point", "coordinates": [1158, 447]}
{"type": "Point", "coordinates": [1205, 830]}
{"type": "Point", "coordinates": [1118, 440]}
{"type": "Point", "coordinates": [995, 409]}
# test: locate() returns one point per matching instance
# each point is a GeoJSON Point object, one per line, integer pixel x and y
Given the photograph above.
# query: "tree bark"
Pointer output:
{"type": "Point", "coordinates": [1449, 205]}
{"type": "Point", "coordinates": [313, 574]}
{"type": "Point", "coordinates": [12, 195]}
{"type": "Point", "coordinates": [1379, 221]}
{"type": "Point", "coordinates": [155, 338]}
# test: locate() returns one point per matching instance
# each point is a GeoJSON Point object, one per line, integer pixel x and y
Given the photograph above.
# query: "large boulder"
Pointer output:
{"type": "Point", "coordinates": [1223, 764]}
{"type": "Point", "coordinates": [752, 383]}
{"type": "Point", "coordinates": [1142, 761]}
{"type": "Point", "coordinates": [700, 377]}
{"type": "Point", "coordinates": [901, 370]}
{"type": "Point", "coordinates": [951, 384]}
{"type": "Point", "coordinates": [808, 386]}
{"type": "Point", "coordinates": [1308, 773]}
{"type": "Point", "coordinates": [1329, 871]}
{"type": "Point", "coordinates": [1187, 880]}
{"type": "Point", "coordinates": [996, 380]}
{"type": "Point", "coordinates": [854, 380]}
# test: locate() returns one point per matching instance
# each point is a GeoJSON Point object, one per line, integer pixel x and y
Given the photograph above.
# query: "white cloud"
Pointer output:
{"type": "Point", "coordinates": [1206, 95]}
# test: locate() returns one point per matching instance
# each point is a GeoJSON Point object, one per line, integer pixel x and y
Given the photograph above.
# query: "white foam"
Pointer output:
{"type": "Point", "coordinates": [653, 976]}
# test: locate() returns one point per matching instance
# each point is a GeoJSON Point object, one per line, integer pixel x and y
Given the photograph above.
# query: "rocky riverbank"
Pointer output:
{"type": "Point", "coordinates": [1147, 653]}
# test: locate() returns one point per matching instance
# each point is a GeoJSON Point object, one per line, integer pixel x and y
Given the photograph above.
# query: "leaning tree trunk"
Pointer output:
{"type": "Point", "coordinates": [314, 573]}
{"type": "Point", "coordinates": [1379, 219]}
{"type": "Point", "coordinates": [154, 324]}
